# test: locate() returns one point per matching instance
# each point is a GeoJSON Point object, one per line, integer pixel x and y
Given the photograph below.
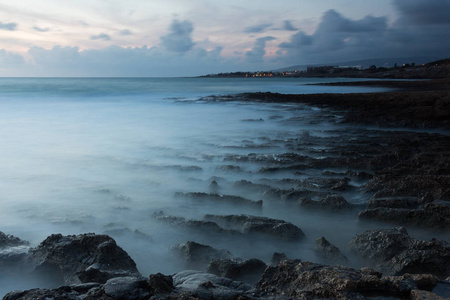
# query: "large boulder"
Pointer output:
{"type": "Point", "coordinates": [197, 256]}
{"type": "Point", "coordinates": [394, 252]}
{"type": "Point", "coordinates": [76, 259]}
{"type": "Point", "coordinates": [307, 280]}
{"type": "Point", "coordinates": [249, 271]}
{"type": "Point", "coordinates": [252, 224]}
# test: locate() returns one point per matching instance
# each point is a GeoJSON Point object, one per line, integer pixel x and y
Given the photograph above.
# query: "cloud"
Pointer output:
{"type": "Point", "coordinates": [41, 29]}
{"type": "Point", "coordinates": [338, 38]}
{"type": "Point", "coordinates": [287, 25]}
{"type": "Point", "coordinates": [179, 38]}
{"type": "Point", "coordinates": [8, 26]}
{"type": "Point", "coordinates": [257, 28]}
{"type": "Point", "coordinates": [9, 59]}
{"type": "Point", "coordinates": [423, 12]}
{"type": "Point", "coordinates": [101, 36]}
{"type": "Point", "coordinates": [258, 51]}
{"type": "Point", "coordinates": [125, 32]}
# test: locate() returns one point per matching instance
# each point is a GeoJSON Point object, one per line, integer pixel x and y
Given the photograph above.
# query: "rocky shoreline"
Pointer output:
{"type": "Point", "coordinates": [405, 174]}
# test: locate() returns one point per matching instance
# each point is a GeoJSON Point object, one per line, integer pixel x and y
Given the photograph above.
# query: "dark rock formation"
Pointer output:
{"type": "Point", "coordinates": [330, 253]}
{"type": "Point", "coordinates": [220, 198]}
{"type": "Point", "coordinates": [198, 256]}
{"type": "Point", "coordinates": [82, 258]}
{"type": "Point", "coordinates": [253, 224]}
{"type": "Point", "coordinates": [432, 216]}
{"type": "Point", "coordinates": [306, 280]}
{"type": "Point", "coordinates": [8, 240]}
{"type": "Point", "coordinates": [393, 203]}
{"type": "Point", "coordinates": [208, 286]}
{"type": "Point", "coordinates": [393, 251]}
{"type": "Point", "coordinates": [249, 271]}
{"type": "Point", "coordinates": [330, 202]}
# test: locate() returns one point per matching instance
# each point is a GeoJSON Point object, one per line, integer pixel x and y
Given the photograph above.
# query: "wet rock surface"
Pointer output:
{"type": "Point", "coordinates": [330, 253]}
{"type": "Point", "coordinates": [393, 251]}
{"type": "Point", "coordinates": [81, 258]}
{"type": "Point", "coordinates": [237, 269]}
{"type": "Point", "coordinates": [260, 225]}
{"type": "Point", "coordinates": [198, 256]}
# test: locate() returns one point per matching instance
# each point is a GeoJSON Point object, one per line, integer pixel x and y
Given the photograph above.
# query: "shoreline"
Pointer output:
{"type": "Point", "coordinates": [407, 174]}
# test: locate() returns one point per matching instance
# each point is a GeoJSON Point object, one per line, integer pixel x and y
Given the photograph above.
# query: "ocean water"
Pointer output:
{"type": "Point", "coordinates": [103, 154]}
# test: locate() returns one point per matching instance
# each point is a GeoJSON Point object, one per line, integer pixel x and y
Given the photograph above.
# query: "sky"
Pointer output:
{"type": "Point", "coordinates": [188, 38]}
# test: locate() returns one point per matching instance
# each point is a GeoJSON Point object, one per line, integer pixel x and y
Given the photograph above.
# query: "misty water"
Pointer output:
{"type": "Point", "coordinates": [103, 155]}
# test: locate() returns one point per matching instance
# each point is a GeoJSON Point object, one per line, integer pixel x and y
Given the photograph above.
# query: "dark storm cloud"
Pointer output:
{"type": "Point", "coordinates": [8, 26]}
{"type": "Point", "coordinates": [287, 25]}
{"type": "Point", "coordinates": [338, 38]}
{"type": "Point", "coordinates": [179, 37]}
{"type": "Point", "coordinates": [257, 28]}
{"type": "Point", "coordinates": [101, 36]}
{"type": "Point", "coordinates": [259, 49]}
{"type": "Point", "coordinates": [422, 12]}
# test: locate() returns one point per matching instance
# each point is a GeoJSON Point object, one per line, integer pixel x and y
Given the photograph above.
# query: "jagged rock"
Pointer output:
{"type": "Point", "coordinates": [253, 224]}
{"type": "Point", "coordinates": [208, 286]}
{"type": "Point", "coordinates": [432, 216]}
{"type": "Point", "coordinates": [8, 240]}
{"type": "Point", "coordinates": [248, 271]}
{"type": "Point", "coordinates": [329, 252]}
{"type": "Point", "coordinates": [214, 187]}
{"type": "Point", "coordinates": [220, 198]}
{"type": "Point", "coordinates": [73, 292]}
{"type": "Point", "coordinates": [198, 256]}
{"type": "Point", "coordinates": [393, 251]}
{"type": "Point", "coordinates": [421, 295]}
{"type": "Point", "coordinates": [82, 258]}
{"type": "Point", "coordinates": [284, 194]}
{"type": "Point", "coordinates": [330, 202]}
{"type": "Point", "coordinates": [306, 280]}
{"type": "Point", "coordinates": [277, 258]}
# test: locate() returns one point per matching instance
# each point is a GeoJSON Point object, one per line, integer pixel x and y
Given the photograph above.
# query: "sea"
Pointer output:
{"type": "Point", "coordinates": [103, 155]}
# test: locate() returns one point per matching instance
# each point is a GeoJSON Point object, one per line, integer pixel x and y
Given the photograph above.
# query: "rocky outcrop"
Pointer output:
{"type": "Point", "coordinates": [432, 216]}
{"type": "Point", "coordinates": [259, 225]}
{"type": "Point", "coordinates": [330, 202]}
{"type": "Point", "coordinates": [197, 256]}
{"type": "Point", "coordinates": [83, 258]}
{"type": "Point", "coordinates": [236, 200]}
{"type": "Point", "coordinates": [394, 252]}
{"type": "Point", "coordinates": [249, 271]}
{"type": "Point", "coordinates": [329, 252]}
{"type": "Point", "coordinates": [307, 280]}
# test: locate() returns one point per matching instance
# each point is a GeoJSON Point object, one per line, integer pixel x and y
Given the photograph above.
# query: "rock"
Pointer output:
{"type": "Point", "coordinates": [208, 286]}
{"type": "Point", "coordinates": [7, 240]}
{"type": "Point", "coordinates": [393, 251]}
{"type": "Point", "coordinates": [393, 203]}
{"type": "Point", "coordinates": [214, 187]}
{"type": "Point", "coordinates": [198, 256]}
{"type": "Point", "coordinates": [161, 284]}
{"type": "Point", "coordinates": [421, 295]}
{"type": "Point", "coordinates": [330, 202]}
{"type": "Point", "coordinates": [82, 258]}
{"type": "Point", "coordinates": [432, 216]}
{"type": "Point", "coordinates": [329, 252]}
{"type": "Point", "coordinates": [252, 224]}
{"type": "Point", "coordinates": [248, 186]}
{"type": "Point", "coordinates": [126, 288]}
{"type": "Point", "coordinates": [284, 194]}
{"type": "Point", "coordinates": [306, 280]}
{"type": "Point", "coordinates": [207, 227]}
{"type": "Point", "coordinates": [249, 271]}
{"type": "Point", "coordinates": [220, 198]}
